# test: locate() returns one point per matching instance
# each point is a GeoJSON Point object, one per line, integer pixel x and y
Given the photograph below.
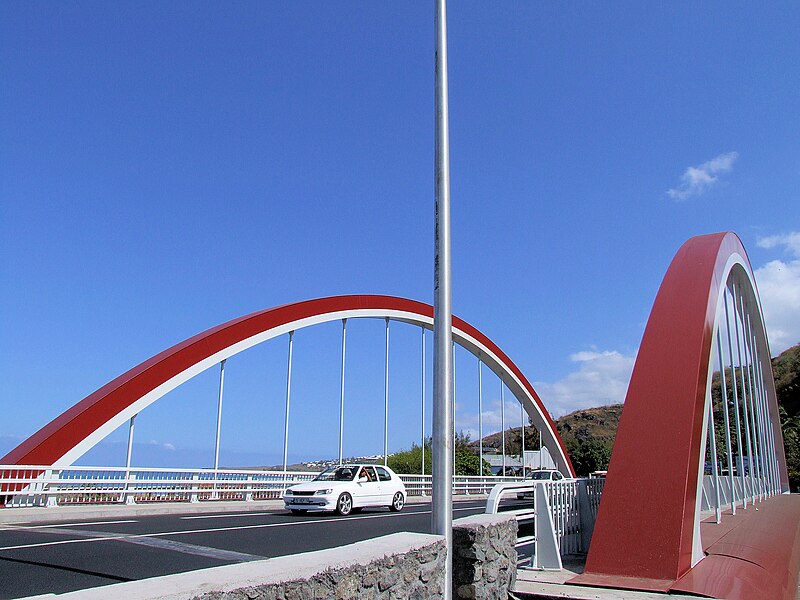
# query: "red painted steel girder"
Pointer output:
{"type": "Point", "coordinates": [646, 527]}
{"type": "Point", "coordinates": [51, 443]}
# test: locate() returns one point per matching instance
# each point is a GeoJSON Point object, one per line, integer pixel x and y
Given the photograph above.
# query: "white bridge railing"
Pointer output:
{"type": "Point", "coordinates": [740, 490]}
{"type": "Point", "coordinates": [32, 485]}
{"type": "Point", "coordinates": [555, 518]}
{"type": "Point", "coordinates": [463, 485]}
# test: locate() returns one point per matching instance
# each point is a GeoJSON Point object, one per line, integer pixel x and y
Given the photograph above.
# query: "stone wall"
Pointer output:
{"type": "Point", "coordinates": [484, 557]}
{"type": "Point", "coordinates": [401, 565]}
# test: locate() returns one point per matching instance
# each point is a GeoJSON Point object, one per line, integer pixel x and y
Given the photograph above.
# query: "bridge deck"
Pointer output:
{"type": "Point", "coordinates": [551, 584]}
{"type": "Point", "coordinates": [760, 545]}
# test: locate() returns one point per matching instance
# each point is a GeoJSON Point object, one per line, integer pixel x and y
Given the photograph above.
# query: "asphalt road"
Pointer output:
{"type": "Point", "coordinates": [60, 557]}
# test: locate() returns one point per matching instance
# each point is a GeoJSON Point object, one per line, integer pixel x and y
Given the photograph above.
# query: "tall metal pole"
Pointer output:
{"type": "Point", "coordinates": [747, 421]}
{"type": "Point", "coordinates": [219, 415]}
{"type": "Point", "coordinates": [739, 443]}
{"type": "Point", "coordinates": [219, 426]}
{"type": "Point", "coordinates": [288, 398]}
{"type": "Point", "coordinates": [748, 389]}
{"type": "Point", "coordinates": [522, 451]}
{"type": "Point", "coordinates": [758, 432]}
{"type": "Point", "coordinates": [712, 439]}
{"type": "Point", "coordinates": [503, 423]}
{"type": "Point", "coordinates": [724, 393]}
{"type": "Point", "coordinates": [422, 443]}
{"type": "Point", "coordinates": [130, 445]}
{"type": "Point", "coordinates": [764, 411]}
{"type": "Point", "coordinates": [480, 415]}
{"type": "Point", "coordinates": [341, 398]}
{"type": "Point", "coordinates": [767, 421]}
{"type": "Point", "coordinates": [455, 387]}
{"type": "Point", "coordinates": [386, 401]}
{"type": "Point", "coordinates": [776, 484]}
{"type": "Point", "coordinates": [539, 431]}
{"type": "Point", "coordinates": [128, 460]}
{"type": "Point", "coordinates": [442, 501]}
{"type": "Point", "coordinates": [768, 446]}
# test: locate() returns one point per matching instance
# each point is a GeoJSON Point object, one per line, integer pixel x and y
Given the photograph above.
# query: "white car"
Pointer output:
{"type": "Point", "coordinates": [541, 475]}
{"type": "Point", "coordinates": [346, 489]}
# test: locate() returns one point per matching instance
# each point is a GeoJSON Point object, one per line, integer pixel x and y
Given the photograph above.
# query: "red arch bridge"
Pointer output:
{"type": "Point", "coordinates": [696, 497]}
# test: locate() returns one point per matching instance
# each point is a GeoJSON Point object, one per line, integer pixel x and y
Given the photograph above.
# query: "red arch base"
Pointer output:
{"type": "Point", "coordinates": [644, 534]}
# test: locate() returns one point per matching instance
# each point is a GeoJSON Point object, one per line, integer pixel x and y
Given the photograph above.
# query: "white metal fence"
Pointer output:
{"type": "Point", "coordinates": [32, 485]}
{"type": "Point", "coordinates": [721, 492]}
{"type": "Point", "coordinates": [463, 485]}
{"type": "Point", "coordinates": [594, 491]}
{"type": "Point", "coordinates": [562, 498]}
{"type": "Point", "coordinates": [555, 518]}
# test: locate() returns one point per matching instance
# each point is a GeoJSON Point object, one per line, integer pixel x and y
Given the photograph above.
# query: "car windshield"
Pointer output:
{"type": "Point", "coordinates": [337, 474]}
{"type": "Point", "coordinates": [538, 475]}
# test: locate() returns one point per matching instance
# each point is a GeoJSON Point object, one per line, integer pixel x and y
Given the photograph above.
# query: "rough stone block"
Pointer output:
{"type": "Point", "coordinates": [484, 557]}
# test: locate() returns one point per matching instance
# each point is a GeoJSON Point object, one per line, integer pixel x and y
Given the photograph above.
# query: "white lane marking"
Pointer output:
{"type": "Point", "coordinates": [230, 516]}
{"type": "Point", "coordinates": [53, 525]}
{"type": "Point", "coordinates": [132, 537]}
{"type": "Point", "coordinates": [184, 548]}
{"type": "Point", "coordinates": [258, 514]}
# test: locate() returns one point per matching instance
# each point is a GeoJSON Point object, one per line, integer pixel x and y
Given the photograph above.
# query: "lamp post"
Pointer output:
{"type": "Point", "coordinates": [442, 501]}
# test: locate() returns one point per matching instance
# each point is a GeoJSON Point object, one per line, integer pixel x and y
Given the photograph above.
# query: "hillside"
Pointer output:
{"type": "Point", "coordinates": [786, 369]}
{"type": "Point", "coordinates": [590, 423]}
{"type": "Point", "coordinates": [589, 433]}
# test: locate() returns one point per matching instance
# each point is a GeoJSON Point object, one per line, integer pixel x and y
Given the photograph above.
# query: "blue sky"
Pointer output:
{"type": "Point", "coordinates": [165, 167]}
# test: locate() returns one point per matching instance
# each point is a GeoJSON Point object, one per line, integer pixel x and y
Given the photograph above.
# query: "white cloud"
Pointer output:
{"type": "Point", "coordinates": [791, 242]}
{"type": "Point", "coordinates": [696, 180]}
{"type": "Point", "coordinates": [163, 445]}
{"type": "Point", "coordinates": [602, 378]}
{"type": "Point", "coordinates": [779, 288]}
{"type": "Point", "coordinates": [492, 416]}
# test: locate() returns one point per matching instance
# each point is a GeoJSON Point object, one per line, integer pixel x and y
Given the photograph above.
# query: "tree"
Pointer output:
{"type": "Point", "coordinates": [466, 462]}
{"type": "Point", "coordinates": [588, 455]}
{"type": "Point", "coordinates": [791, 446]}
{"type": "Point", "coordinates": [514, 440]}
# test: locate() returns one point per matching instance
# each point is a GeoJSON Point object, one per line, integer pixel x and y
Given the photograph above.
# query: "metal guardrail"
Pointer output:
{"type": "Point", "coordinates": [463, 485]}
{"type": "Point", "coordinates": [34, 485]}
{"type": "Point", "coordinates": [745, 490]}
{"type": "Point", "coordinates": [555, 518]}
{"type": "Point", "coordinates": [594, 491]}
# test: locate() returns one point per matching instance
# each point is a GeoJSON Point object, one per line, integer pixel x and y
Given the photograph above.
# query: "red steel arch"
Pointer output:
{"type": "Point", "coordinates": [80, 424]}
{"type": "Point", "coordinates": [647, 530]}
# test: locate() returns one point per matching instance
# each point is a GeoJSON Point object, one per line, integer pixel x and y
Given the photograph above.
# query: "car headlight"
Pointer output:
{"type": "Point", "coordinates": [323, 492]}
{"type": "Point", "coordinates": [288, 493]}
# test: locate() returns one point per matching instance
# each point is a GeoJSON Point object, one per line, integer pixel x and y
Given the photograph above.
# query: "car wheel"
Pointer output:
{"type": "Point", "coordinates": [397, 502]}
{"type": "Point", "coordinates": [297, 511]}
{"type": "Point", "coordinates": [344, 505]}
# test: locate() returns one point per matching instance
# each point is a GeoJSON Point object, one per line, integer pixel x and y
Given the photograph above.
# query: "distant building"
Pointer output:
{"type": "Point", "coordinates": [532, 461]}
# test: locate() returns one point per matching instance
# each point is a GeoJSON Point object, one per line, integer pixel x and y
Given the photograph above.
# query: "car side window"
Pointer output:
{"type": "Point", "coordinates": [556, 476]}
{"type": "Point", "coordinates": [383, 474]}
{"type": "Point", "coordinates": [367, 475]}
